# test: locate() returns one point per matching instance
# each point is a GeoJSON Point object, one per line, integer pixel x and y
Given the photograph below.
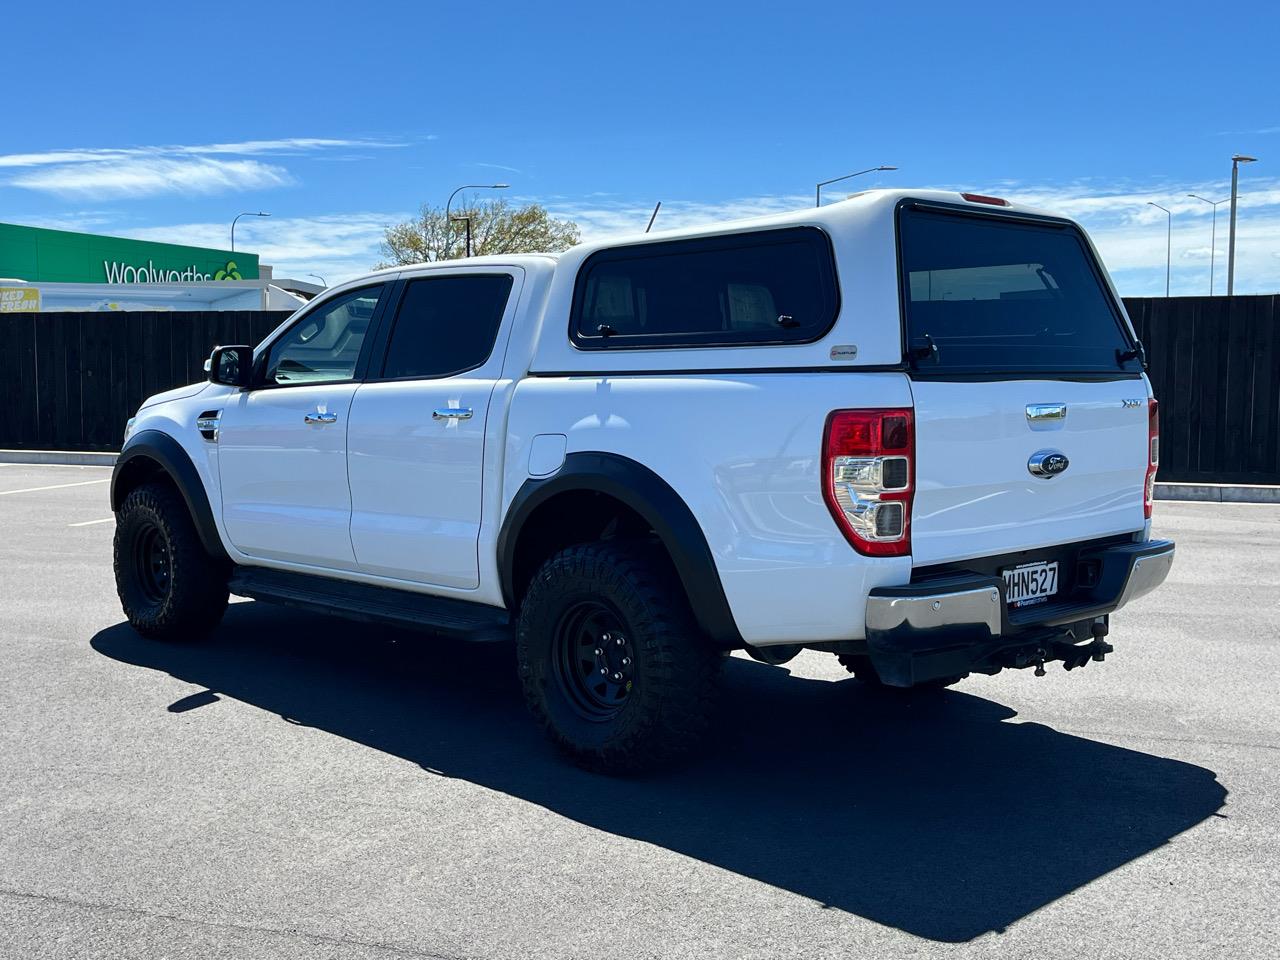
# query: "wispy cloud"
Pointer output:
{"type": "Point", "coordinates": [496, 166]}
{"type": "Point", "coordinates": [176, 168]}
{"type": "Point", "coordinates": [287, 145]}
{"type": "Point", "coordinates": [1129, 234]}
{"type": "Point", "coordinates": [599, 217]}
{"type": "Point", "coordinates": [153, 175]}
{"type": "Point", "coordinates": [336, 246]}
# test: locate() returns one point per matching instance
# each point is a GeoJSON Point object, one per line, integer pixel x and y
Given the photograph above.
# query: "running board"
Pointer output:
{"type": "Point", "coordinates": [362, 601]}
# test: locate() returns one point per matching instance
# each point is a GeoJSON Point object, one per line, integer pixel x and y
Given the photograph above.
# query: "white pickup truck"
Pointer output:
{"type": "Point", "coordinates": [911, 429]}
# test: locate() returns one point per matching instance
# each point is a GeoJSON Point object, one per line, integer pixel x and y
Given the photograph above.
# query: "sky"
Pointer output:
{"type": "Point", "coordinates": [163, 121]}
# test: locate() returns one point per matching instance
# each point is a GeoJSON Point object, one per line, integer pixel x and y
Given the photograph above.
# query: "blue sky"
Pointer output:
{"type": "Point", "coordinates": [166, 120]}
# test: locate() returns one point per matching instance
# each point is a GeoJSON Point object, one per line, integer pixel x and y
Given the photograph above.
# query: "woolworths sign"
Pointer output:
{"type": "Point", "coordinates": [60, 256]}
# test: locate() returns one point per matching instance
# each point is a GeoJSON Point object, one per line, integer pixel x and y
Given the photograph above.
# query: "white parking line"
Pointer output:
{"type": "Point", "coordinates": [90, 523]}
{"type": "Point", "coordinates": [56, 486]}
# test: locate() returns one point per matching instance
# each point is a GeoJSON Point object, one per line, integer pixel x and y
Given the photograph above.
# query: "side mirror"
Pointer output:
{"type": "Point", "coordinates": [231, 366]}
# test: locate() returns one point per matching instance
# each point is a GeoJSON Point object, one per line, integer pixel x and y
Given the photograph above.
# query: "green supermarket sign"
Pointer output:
{"type": "Point", "coordinates": [61, 256]}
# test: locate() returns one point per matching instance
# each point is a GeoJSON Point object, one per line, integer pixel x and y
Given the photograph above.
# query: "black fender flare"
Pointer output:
{"type": "Point", "coordinates": [176, 464]}
{"type": "Point", "coordinates": [657, 503]}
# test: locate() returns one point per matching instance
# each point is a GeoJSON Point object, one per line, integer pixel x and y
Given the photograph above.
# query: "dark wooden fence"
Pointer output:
{"type": "Point", "coordinates": [1214, 363]}
{"type": "Point", "coordinates": [71, 380]}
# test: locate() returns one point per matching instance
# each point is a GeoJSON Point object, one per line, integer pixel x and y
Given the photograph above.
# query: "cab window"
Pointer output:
{"type": "Point", "coordinates": [446, 325]}
{"type": "Point", "coordinates": [324, 345]}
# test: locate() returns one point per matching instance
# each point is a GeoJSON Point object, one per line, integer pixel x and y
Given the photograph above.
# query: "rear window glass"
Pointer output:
{"type": "Point", "coordinates": [446, 325]}
{"type": "Point", "coordinates": [774, 286]}
{"type": "Point", "coordinates": [989, 294]}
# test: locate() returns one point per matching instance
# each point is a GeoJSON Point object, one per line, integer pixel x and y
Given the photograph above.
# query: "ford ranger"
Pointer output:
{"type": "Point", "coordinates": [911, 429]}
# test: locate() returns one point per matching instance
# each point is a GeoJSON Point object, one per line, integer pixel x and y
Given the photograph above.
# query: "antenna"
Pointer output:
{"type": "Point", "coordinates": [654, 217]}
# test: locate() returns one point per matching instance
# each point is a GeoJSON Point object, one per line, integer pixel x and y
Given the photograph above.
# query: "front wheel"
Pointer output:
{"type": "Point", "coordinates": [169, 587]}
{"type": "Point", "coordinates": [612, 663]}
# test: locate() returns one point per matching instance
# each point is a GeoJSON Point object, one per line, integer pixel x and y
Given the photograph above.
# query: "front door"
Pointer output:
{"type": "Point", "coordinates": [415, 445]}
{"type": "Point", "coordinates": [282, 445]}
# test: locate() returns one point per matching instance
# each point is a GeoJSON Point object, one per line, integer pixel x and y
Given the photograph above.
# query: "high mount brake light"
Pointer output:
{"type": "Point", "coordinates": [868, 478]}
{"type": "Point", "coordinates": [983, 198]}
{"type": "Point", "coordinates": [1153, 455]}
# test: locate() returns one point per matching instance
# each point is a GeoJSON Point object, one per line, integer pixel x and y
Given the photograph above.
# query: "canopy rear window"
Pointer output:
{"type": "Point", "coordinates": [770, 286]}
{"type": "Point", "coordinates": [995, 294]}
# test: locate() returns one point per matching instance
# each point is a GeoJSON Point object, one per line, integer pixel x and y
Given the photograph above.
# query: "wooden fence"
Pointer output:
{"type": "Point", "coordinates": [1214, 363]}
{"type": "Point", "coordinates": [71, 380]}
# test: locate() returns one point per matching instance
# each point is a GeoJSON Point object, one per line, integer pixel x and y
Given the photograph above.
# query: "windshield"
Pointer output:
{"type": "Point", "coordinates": [991, 294]}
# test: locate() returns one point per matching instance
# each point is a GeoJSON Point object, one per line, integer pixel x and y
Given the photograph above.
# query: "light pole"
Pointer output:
{"type": "Point", "coordinates": [467, 186]}
{"type": "Point", "coordinates": [233, 226]}
{"type": "Point", "coordinates": [1168, 245]}
{"type": "Point", "coordinates": [1231, 243]}
{"type": "Point", "coordinates": [1213, 234]}
{"type": "Point", "coordinates": [817, 192]}
{"type": "Point", "coordinates": [322, 280]}
{"type": "Point", "coordinates": [467, 220]}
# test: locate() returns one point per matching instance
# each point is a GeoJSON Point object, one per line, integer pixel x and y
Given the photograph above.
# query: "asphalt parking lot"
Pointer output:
{"type": "Point", "coordinates": [302, 787]}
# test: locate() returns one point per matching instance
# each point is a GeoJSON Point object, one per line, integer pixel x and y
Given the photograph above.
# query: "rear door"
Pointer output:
{"type": "Point", "coordinates": [1031, 407]}
{"type": "Point", "coordinates": [416, 442]}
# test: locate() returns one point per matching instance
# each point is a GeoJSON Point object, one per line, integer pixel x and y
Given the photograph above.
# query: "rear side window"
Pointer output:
{"type": "Point", "coordinates": [990, 294]}
{"type": "Point", "coordinates": [772, 286]}
{"type": "Point", "coordinates": [446, 325]}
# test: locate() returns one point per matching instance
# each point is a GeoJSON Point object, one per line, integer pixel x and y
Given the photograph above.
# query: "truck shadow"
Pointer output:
{"type": "Point", "coordinates": [938, 818]}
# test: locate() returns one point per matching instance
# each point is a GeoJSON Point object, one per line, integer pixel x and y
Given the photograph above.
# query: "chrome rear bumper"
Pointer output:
{"type": "Point", "coordinates": [962, 617]}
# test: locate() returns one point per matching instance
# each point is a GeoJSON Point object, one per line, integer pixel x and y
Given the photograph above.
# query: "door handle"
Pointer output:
{"type": "Point", "coordinates": [320, 418]}
{"type": "Point", "coordinates": [452, 413]}
{"type": "Point", "coordinates": [1046, 411]}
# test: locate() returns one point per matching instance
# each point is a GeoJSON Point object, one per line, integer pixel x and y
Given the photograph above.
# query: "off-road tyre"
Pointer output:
{"type": "Point", "coordinates": [590, 608]}
{"type": "Point", "coordinates": [169, 586]}
{"type": "Point", "coordinates": [864, 672]}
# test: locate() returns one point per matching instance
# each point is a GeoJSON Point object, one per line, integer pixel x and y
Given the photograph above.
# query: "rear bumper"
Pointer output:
{"type": "Point", "coordinates": [959, 623]}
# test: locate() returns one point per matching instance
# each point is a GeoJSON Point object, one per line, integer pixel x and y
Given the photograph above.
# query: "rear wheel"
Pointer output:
{"type": "Point", "coordinates": [169, 587]}
{"type": "Point", "coordinates": [865, 672]}
{"type": "Point", "coordinates": [612, 663]}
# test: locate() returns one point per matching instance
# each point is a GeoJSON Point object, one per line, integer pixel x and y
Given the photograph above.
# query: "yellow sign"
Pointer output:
{"type": "Point", "coordinates": [19, 299]}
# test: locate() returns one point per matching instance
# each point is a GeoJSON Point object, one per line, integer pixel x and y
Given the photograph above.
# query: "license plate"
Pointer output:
{"type": "Point", "coordinates": [1030, 583]}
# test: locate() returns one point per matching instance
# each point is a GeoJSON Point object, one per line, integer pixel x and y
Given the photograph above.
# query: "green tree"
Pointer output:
{"type": "Point", "coordinates": [496, 227]}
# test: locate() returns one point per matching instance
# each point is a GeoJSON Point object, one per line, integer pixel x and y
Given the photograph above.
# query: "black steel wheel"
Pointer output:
{"type": "Point", "coordinates": [152, 561]}
{"type": "Point", "coordinates": [612, 663]}
{"type": "Point", "coordinates": [594, 661]}
{"type": "Point", "coordinates": [170, 588]}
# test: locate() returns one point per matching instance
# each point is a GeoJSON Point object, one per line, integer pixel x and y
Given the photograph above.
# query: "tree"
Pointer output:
{"type": "Point", "coordinates": [496, 227]}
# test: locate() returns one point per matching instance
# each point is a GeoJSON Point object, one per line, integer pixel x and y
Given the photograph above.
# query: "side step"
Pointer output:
{"type": "Point", "coordinates": [361, 601]}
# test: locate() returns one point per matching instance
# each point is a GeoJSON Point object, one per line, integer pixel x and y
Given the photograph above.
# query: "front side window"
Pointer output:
{"type": "Point", "coordinates": [446, 325]}
{"type": "Point", "coordinates": [772, 286]}
{"type": "Point", "coordinates": [324, 346]}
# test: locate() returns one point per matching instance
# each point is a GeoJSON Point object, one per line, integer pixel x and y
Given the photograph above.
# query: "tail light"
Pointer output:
{"type": "Point", "coordinates": [868, 478]}
{"type": "Point", "coordinates": [1153, 454]}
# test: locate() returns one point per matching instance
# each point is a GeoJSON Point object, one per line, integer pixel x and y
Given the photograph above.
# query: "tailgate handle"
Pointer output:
{"type": "Point", "coordinates": [1038, 412]}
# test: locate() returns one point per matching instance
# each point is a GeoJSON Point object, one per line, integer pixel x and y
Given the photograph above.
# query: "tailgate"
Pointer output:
{"type": "Point", "coordinates": [976, 493]}
{"type": "Point", "coordinates": [1030, 403]}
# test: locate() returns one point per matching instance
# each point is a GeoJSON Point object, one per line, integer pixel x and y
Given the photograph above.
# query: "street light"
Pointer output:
{"type": "Point", "coordinates": [467, 186]}
{"type": "Point", "coordinates": [1168, 247]}
{"type": "Point", "coordinates": [233, 226]}
{"type": "Point", "coordinates": [1231, 243]}
{"type": "Point", "coordinates": [1213, 234]}
{"type": "Point", "coordinates": [817, 193]}
{"type": "Point", "coordinates": [322, 280]}
{"type": "Point", "coordinates": [466, 219]}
